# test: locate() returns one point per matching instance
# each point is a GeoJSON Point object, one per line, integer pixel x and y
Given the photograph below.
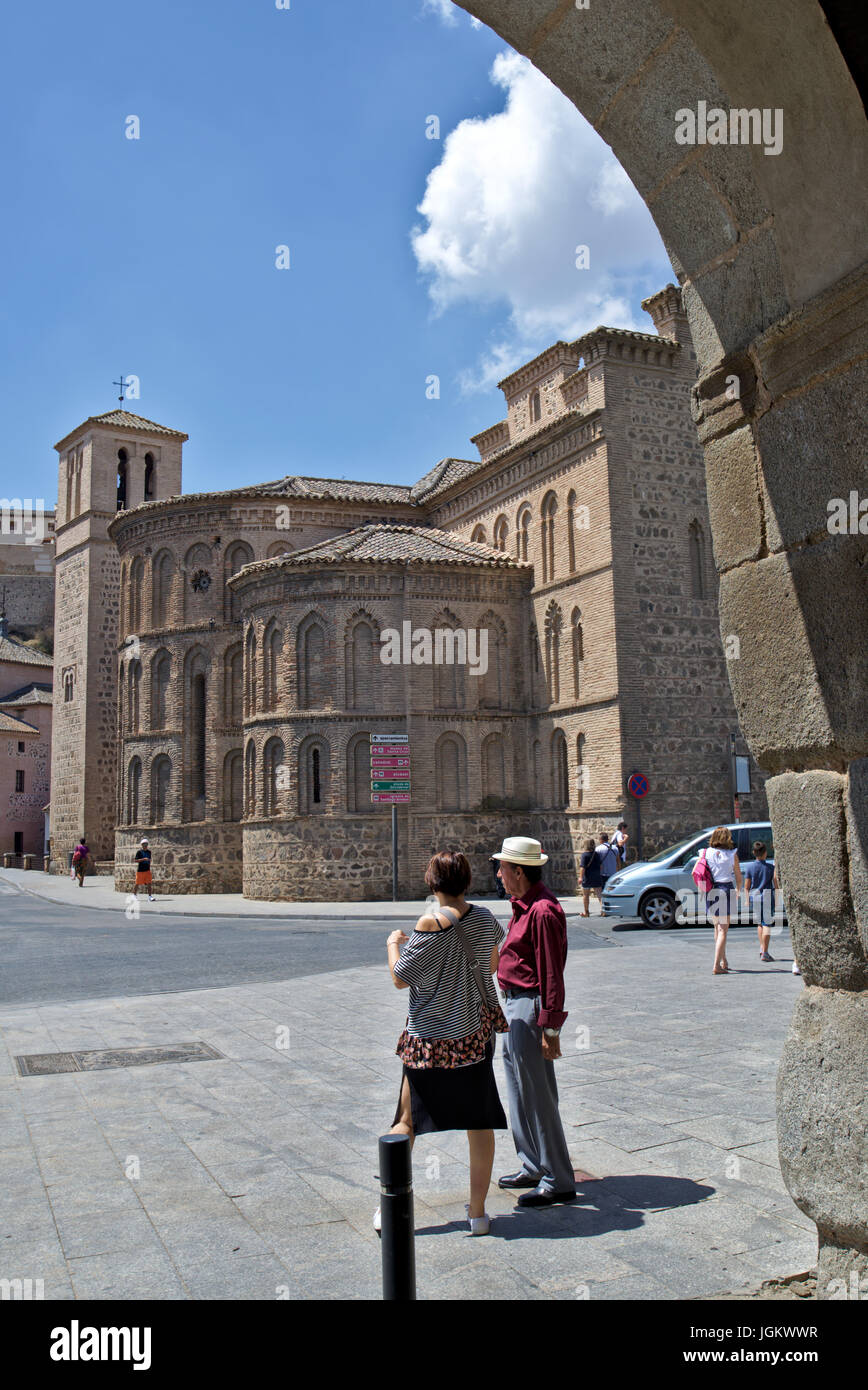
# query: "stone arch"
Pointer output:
{"type": "Point", "coordinates": [250, 656]}
{"type": "Point", "coordinates": [250, 779]}
{"type": "Point", "coordinates": [197, 668]}
{"type": "Point", "coordinates": [236, 556]}
{"type": "Point", "coordinates": [135, 591]}
{"type": "Point", "coordinates": [560, 771]}
{"type": "Point", "coordinates": [450, 772]}
{"type": "Point", "coordinates": [548, 512]}
{"type": "Point", "coordinates": [362, 668]}
{"type": "Point", "coordinates": [233, 686]}
{"type": "Point", "coordinates": [493, 686]}
{"type": "Point", "coordinates": [273, 777]}
{"type": "Point", "coordinates": [769, 282]}
{"type": "Point", "coordinates": [311, 662]}
{"type": "Point", "coordinates": [272, 664]}
{"type": "Point", "coordinates": [198, 582]}
{"type": "Point", "coordinates": [522, 531]}
{"type": "Point", "coordinates": [233, 785]}
{"type": "Point", "coordinates": [571, 530]}
{"type": "Point", "coordinates": [696, 560]}
{"type": "Point", "coordinates": [553, 627]}
{"type": "Point", "coordinates": [450, 684]}
{"type": "Point", "coordinates": [494, 767]}
{"type": "Point", "coordinates": [277, 548]}
{"type": "Point", "coordinates": [162, 585]}
{"type": "Point", "coordinates": [577, 643]}
{"type": "Point", "coordinates": [161, 679]}
{"type": "Point", "coordinates": [314, 776]}
{"type": "Point", "coordinates": [478, 535]}
{"type": "Point", "coordinates": [134, 791]}
{"type": "Point", "coordinates": [161, 779]}
{"type": "Point", "coordinates": [501, 533]}
{"type": "Point", "coordinates": [359, 773]}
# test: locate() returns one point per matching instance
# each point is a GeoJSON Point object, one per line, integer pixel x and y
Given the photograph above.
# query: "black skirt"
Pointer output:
{"type": "Point", "coordinates": [453, 1097]}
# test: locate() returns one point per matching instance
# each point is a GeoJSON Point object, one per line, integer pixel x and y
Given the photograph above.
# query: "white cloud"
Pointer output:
{"type": "Point", "coordinates": [512, 198]}
{"type": "Point", "coordinates": [448, 13]}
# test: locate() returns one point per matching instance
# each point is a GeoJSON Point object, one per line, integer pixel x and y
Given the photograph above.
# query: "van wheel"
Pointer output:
{"type": "Point", "coordinates": [657, 908]}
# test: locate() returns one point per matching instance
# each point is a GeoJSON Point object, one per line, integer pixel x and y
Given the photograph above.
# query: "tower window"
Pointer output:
{"type": "Point", "coordinates": [149, 477]}
{"type": "Point", "coordinates": [122, 479]}
{"type": "Point", "coordinates": [19, 780]}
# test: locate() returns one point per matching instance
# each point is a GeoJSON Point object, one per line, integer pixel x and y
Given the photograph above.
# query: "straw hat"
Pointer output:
{"type": "Point", "coordinates": [519, 850]}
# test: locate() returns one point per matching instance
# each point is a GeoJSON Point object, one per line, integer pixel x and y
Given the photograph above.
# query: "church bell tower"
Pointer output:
{"type": "Point", "coordinates": [109, 463]}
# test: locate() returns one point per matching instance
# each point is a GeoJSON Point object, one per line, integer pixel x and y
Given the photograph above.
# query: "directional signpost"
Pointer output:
{"type": "Point", "coordinates": [390, 784]}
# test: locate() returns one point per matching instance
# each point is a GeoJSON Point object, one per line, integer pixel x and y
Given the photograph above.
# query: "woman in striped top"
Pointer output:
{"type": "Point", "coordinates": [447, 1046]}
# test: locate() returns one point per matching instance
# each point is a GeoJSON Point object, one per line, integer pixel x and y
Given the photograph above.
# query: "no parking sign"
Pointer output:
{"type": "Point", "coordinates": [637, 786]}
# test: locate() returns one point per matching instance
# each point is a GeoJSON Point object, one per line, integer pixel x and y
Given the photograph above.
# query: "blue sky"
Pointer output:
{"type": "Point", "coordinates": [306, 127]}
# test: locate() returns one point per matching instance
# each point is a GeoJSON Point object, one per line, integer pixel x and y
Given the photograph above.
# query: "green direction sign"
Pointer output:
{"type": "Point", "coordinates": [390, 786]}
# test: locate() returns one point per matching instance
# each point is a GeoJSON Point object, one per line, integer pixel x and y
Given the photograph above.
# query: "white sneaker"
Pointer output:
{"type": "Point", "coordinates": [796, 970]}
{"type": "Point", "coordinates": [150, 897]}
{"type": "Point", "coordinates": [479, 1225]}
{"type": "Point", "coordinates": [378, 1225]}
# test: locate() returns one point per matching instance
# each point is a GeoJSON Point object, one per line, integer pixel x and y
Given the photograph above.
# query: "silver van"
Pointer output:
{"type": "Point", "coordinates": [662, 892]}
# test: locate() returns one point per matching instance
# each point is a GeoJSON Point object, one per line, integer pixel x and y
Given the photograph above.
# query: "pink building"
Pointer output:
{"type": "Point", "coordinates": [25, 745]}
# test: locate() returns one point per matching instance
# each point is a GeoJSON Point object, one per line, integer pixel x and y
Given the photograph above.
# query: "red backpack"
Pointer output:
{"type": "Point", "coordinates": [701, 875]}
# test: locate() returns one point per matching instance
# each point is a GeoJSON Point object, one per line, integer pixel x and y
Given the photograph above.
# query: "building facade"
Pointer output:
{"type": "Point", "coordinates": [25, 741]}
{"type": "Point", "coordinates": [225, 649]}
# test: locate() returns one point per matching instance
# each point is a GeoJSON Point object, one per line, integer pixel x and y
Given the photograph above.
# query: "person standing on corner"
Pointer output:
{"type": "Point", "coordinates": [143, 870]}
{"type": "Point", "coordinates": [531, 976]}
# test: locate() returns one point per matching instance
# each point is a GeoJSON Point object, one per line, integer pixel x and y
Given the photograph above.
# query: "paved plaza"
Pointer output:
{"type": "Point", "coordinates": [252, 1176]}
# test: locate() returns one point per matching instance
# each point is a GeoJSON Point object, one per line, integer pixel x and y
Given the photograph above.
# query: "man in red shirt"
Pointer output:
{"type": "Point", "coordinates": [531, 976]}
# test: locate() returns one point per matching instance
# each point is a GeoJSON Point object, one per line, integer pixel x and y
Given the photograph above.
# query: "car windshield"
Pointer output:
{"type": "Point", "coordinates": [673, 849]}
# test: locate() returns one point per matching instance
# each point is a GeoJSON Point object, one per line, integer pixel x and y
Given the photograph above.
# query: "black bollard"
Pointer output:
{"type": "Point", "coordinates": [396, 1219]}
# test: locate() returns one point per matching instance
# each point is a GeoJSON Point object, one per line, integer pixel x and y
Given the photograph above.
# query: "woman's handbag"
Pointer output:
{"type": "Point", "coordinates": [497, 1016]}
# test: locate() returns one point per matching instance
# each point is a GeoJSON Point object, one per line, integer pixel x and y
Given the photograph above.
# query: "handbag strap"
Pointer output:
{"type": "Point", "coordinates": [468, 954]}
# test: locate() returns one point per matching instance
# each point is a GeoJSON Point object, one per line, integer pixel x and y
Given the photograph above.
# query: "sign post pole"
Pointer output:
{"type": "Point", "coordinates": [394, 853]}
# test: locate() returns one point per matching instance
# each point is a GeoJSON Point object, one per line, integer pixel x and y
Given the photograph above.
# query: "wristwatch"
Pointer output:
{"type": "Point", "coordinates": [552, 1032]}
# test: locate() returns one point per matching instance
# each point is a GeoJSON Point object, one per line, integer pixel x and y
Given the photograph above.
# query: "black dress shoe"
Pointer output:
{"type": "Point", "coordinates": [517, 1180]}
{"type": "Point", "coordinates": [544, 1197]}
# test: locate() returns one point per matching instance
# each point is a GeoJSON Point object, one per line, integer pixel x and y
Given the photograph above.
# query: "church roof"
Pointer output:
{"type": "Point", "coordinates": [408, 544]}
{"type": "Point", "coordinates": [441, 477]}
{"type": "Point", "coordinates": [347, 489]}
{"type": "Point", "coordinates": [124, 420]}
{"type": "Point", "coordinates": [28, 695]}
{"type": "Point", "coordinates": [10, 724]}
{"type": "Point", "coordinates": [13, 650]}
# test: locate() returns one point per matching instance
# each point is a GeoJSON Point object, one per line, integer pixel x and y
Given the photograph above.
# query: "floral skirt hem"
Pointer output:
{"type": "Point", "coordinates": [423, 1053]}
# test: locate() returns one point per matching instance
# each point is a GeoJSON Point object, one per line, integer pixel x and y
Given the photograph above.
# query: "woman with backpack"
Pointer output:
{"type": "Point", "coordinates": [721, 862]}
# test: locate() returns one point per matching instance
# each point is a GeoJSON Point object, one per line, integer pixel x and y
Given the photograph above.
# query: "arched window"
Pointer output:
{"type": "Point", "coordinates": [537, 773]}
{"type": "Point", "coordinates": [273, 776]}
{"type": "Point", "coordinates": [494, 767]}
{"type": "Point", "coordinates": [250, 672]}
{"type": "Point", "coordinates": [198, 587]}
{"type": "Point", "coordinates": [161, 674]}
{"type": "Point", "coordinates": [236, 556]}
{"type": "Point", "coordinates": [450, 770]}
{"type": "Point", "coordinates": [196, 726]}
{"type": "Point", "coordinates": [233, 785]}
{"type": "Point", "coordinates": [492, 686]}
{"type": "Point", "coordinates": [134, 787]}
{"type": "Point", "coordinates": [278, 548]}
{"type": "Point", "coordinates": [582, 778]}
{"type": "Point", "coordinates": [578, 644]}
{"type": "Point", "coordinates": [250, 779]}
{"type": "Point", "coordinates": [311, 664]}
{"type": "Point", "coordinates": [501, 533]}
{"type": "Point", "coordinates": [479, 535]}
{"type": "Point", "coordinates": [362, 664]}
{"type": "Point", "coordinates": [359, 773]}
{"type": "Point", "coordinates": [233, 678]}
{"type": "Point", "coordinates": [134, 690]}
{"type": "Point", "coordinates": [571, 531]}
{"type": "Point", "coordinates": [123, 460]}
{"type": "Point", "coordinates": [450, 643]}
{"type": "Point", "coordinates": [535, 408]}
{"type": "Point", "coordinates": [272, 653]}
{"type": "Point", "coordinates": [547, 532]}
{"type": "Point", "coordinates": [554, 624]}
{"type": "Point", "coordinates": [314, 777]}
{"type": "Point", "coordinates": [560, 771]}
{"type": "Point", "coordinates": [161, 775]}
{"type": "Point", "coordinates": [163, 575]}
{"type": "Point", "coordinates": [696, 543]}
{"type": "Point", "coordinates": [137, 576]}
{"type": "Point", "coordinates": [150, 481]}
{"type": "Point", "coordinates": [522, 531]}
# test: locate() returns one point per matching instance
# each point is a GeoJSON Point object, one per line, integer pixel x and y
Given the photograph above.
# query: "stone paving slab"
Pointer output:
{"type": "Point", "coordinates": [255, 1174]}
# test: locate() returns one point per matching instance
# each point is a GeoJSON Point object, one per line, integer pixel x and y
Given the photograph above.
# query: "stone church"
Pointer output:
{"type": "Point", "coordinates": [219, 656]}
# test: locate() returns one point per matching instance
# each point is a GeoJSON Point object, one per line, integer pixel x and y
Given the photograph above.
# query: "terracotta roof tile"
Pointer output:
{"type": "Point", "coordinates": [385, 544]}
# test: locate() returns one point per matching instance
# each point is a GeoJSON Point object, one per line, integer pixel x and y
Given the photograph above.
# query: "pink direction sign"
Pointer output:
{"type": "Point", "coordinates": [390, 798]}
{"type": "Point", "coordinates": [389, 750]}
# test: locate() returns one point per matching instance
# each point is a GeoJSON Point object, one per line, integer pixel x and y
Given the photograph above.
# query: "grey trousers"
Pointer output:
{"type": "Point", "coordinates": [534, 1117]}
